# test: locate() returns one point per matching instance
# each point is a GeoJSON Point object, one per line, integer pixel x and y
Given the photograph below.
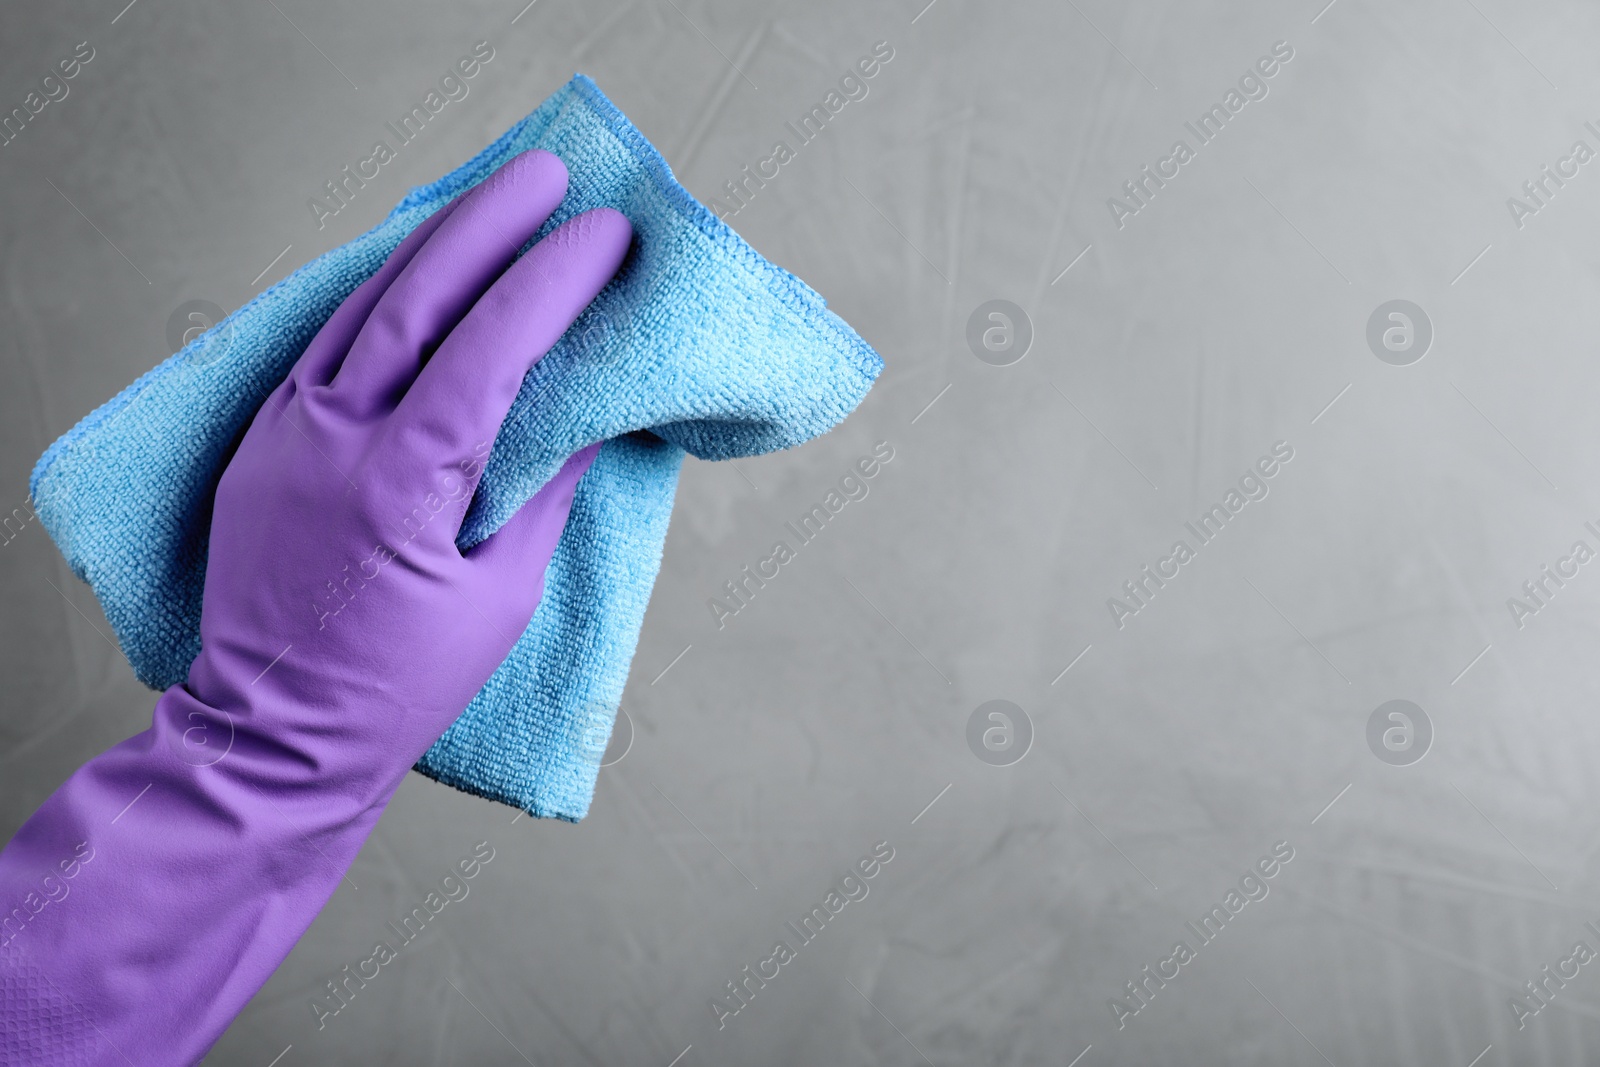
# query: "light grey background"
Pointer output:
{"type": "Point", "coordinates": [1176, 751]}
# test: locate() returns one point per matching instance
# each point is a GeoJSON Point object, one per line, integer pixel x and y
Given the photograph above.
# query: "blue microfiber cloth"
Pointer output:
{"type": "Point", "coordinates": [699, 345]}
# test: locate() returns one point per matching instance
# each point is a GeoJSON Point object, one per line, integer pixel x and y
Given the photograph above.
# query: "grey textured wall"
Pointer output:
{"type": "Point", "coordinates": [1175, 342]}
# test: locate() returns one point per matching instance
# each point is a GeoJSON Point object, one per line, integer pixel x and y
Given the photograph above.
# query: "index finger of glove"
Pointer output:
{"type": "Point", "coordinates": [463, 394]}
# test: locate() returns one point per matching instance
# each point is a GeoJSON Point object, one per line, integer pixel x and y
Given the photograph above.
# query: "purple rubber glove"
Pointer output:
{"type": "Point", "coordinates": [342, 632]}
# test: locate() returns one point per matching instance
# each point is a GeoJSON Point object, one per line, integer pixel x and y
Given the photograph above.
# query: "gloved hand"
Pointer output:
{"type": "Point", "coordinates": [342, 632]}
